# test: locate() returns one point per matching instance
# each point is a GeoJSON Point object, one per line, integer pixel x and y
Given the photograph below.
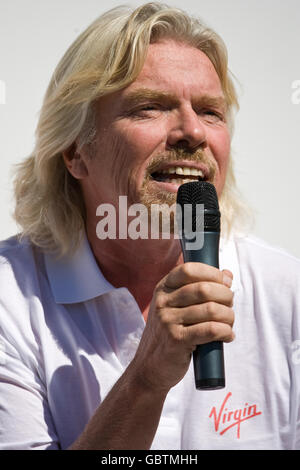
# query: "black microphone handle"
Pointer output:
{"type": "Point", "coordinates": [208, 358]}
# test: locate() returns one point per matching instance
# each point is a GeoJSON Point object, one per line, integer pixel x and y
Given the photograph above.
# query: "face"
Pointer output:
{"type": "Point", "coordinates": [167, 127]}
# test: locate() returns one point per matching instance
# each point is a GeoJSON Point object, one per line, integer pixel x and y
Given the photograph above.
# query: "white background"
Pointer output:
{"type": "Point", "coordinates": [263, 40]}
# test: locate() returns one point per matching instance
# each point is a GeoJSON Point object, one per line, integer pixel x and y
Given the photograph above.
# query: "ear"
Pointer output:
{"type": "Point", "coordinates": [75, 163]}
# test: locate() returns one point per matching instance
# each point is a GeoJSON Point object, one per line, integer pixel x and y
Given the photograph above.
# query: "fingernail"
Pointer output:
{"type": "Point", "coordinates": [227, 280]}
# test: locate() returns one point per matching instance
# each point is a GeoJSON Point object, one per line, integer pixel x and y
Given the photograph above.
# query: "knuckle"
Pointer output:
{"type": "Point", "coordinates": [160, 299]}
{"type": "Point", "coordinates": [187, 269]}
{"type": "Point", "coordinates": [163, 317]}
{"type": "Point", "coordinates": [204, 290]}
{"type": "Point", "coordinates": [167, 319]}
{"type": "Point", "coordinates": [212, 330]}
{"type": "Point", "coordinates": [219, 313]}
{"type": "Point", "coordinates": [179, 335]}
{"type": "Point", "coordinates": [217, 331]}
{"type": "Point", "coordinates": [211, 310]}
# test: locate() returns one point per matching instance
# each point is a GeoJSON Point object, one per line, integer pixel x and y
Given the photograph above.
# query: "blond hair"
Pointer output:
{"type": "Point", "coordinates": [105, 58]}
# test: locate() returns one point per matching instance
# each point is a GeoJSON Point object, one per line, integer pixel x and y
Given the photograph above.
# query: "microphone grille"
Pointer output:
{"type": "Point", "coordinates": [201, 192]}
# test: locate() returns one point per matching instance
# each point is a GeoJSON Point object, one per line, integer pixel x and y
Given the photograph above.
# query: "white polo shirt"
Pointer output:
{"type": "Point", "coordinates": [66, 335]}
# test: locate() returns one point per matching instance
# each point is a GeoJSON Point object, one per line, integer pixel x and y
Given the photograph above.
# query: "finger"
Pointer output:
{"type": "Point", "coordinates": [227, 277]}
{"type": "Point", "coordinates": [207, 332]}
{"type": "Point", "coordinates": [193, 272]}
{"type": "Point", "coordinates": [209, 311]}
{"type": "Point", "coordinates": [198, 293]}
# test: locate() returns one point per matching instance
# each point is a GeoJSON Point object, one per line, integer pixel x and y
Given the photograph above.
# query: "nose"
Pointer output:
{"type": "Point", "coordinates": [186, 130]}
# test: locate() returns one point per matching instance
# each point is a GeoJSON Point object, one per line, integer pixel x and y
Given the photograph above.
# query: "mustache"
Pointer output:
{"type": "Point", "coordinates": [175, 155]}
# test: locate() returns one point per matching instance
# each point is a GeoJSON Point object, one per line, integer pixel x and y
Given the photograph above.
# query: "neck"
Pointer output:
{"type": "Point", "coordinates": [136, 264]}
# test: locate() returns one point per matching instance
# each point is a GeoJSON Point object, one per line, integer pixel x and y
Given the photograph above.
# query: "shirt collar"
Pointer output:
{"type": "Point", "coordinates": [76, 278]}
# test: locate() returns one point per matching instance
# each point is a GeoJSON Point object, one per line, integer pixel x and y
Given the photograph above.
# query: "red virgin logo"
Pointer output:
{"type": "Point", "coordinates": [225, 419]}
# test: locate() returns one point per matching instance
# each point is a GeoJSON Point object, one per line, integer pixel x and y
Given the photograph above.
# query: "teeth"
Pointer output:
{"type": "Point", "coordinates": [183, 171]}
{"type": "Point", "coordinates": [178, 180]}
{"type": "Point", "coordinates": [187, 181]}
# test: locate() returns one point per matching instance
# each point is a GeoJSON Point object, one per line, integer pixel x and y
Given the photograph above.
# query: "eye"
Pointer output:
{"type": "Point", "coordinates": [146, 110]}
{"type": "Point", "coordinates": [150, 107]}
{"type": "Point", "coordinates": [212, 115]}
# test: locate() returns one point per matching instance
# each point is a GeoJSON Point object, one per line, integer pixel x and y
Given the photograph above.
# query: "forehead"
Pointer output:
{"type": "Point", "coordinates": [170, 64]}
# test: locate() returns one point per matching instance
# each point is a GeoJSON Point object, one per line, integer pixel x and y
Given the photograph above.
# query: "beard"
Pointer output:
{"type": "Point", "coordinates": [160, 203]}
{"type": "Point", "coordinates": [149, 194]}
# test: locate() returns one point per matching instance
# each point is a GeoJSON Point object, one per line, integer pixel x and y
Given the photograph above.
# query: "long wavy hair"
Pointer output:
{"type": "Point", "coordinates": [106, 57]}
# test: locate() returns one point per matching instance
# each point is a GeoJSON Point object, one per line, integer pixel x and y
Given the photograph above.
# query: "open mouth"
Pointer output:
{"type": "Point", "coordinates": [178, 175]}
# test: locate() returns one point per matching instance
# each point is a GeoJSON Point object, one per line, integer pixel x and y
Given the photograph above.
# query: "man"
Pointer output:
{"type": "Point", "coordinates": [97, 335]}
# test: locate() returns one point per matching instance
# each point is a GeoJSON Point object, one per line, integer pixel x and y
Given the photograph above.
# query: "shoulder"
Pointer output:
{"type": "Point", "coordinates": [21, 316]}
{"type": "Point", "coordinates": [268, 268]}
{"type": "Point", "coordinates": [265, 254]}
{"type": "Point", "coordinates": [20, 292]}
{"type": "Point", "coordinates": [18, 263]}
{"type": "Point", "coordinates": [12, 248]}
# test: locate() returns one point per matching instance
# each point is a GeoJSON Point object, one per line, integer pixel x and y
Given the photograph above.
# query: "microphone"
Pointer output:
{"type": "Point", "coordinates": [208, 358]}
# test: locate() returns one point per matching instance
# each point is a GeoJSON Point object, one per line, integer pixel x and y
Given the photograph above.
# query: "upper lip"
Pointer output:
{"type": "Point", "coordinates": [184, 163]}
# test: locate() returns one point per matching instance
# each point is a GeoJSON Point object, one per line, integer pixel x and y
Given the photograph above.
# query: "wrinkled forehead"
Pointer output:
{"type": "Point", "coordinates": [173, 71]}
{"type": "Point", "coordinates": [166, 58]}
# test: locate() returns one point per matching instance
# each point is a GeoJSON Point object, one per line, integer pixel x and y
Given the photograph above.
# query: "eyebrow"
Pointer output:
{"type": "Point", "coordinates": [136, 97]}
{"type": "Point", "coordinates": [142, 94]}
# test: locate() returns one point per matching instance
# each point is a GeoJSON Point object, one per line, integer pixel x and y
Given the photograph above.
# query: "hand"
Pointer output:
{"type": "Point", "coordinates": [191, 305]}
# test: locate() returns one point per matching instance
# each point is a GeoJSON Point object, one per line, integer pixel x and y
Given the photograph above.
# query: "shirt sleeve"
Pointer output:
{"type": "Point", "coordinates": [25, 418]}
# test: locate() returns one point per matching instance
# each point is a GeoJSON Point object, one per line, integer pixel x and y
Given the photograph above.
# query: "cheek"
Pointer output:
{"type": "Point", "coordinates": [112, 150]}
{"type": "Point", "coordinates": [143, 138]}
{"type": "Point", "coordinates": [139, 142]}
{"type": "Point", "coordinates": [220, 148]}
{"type": "Point", "coordinates": [124, 152]}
